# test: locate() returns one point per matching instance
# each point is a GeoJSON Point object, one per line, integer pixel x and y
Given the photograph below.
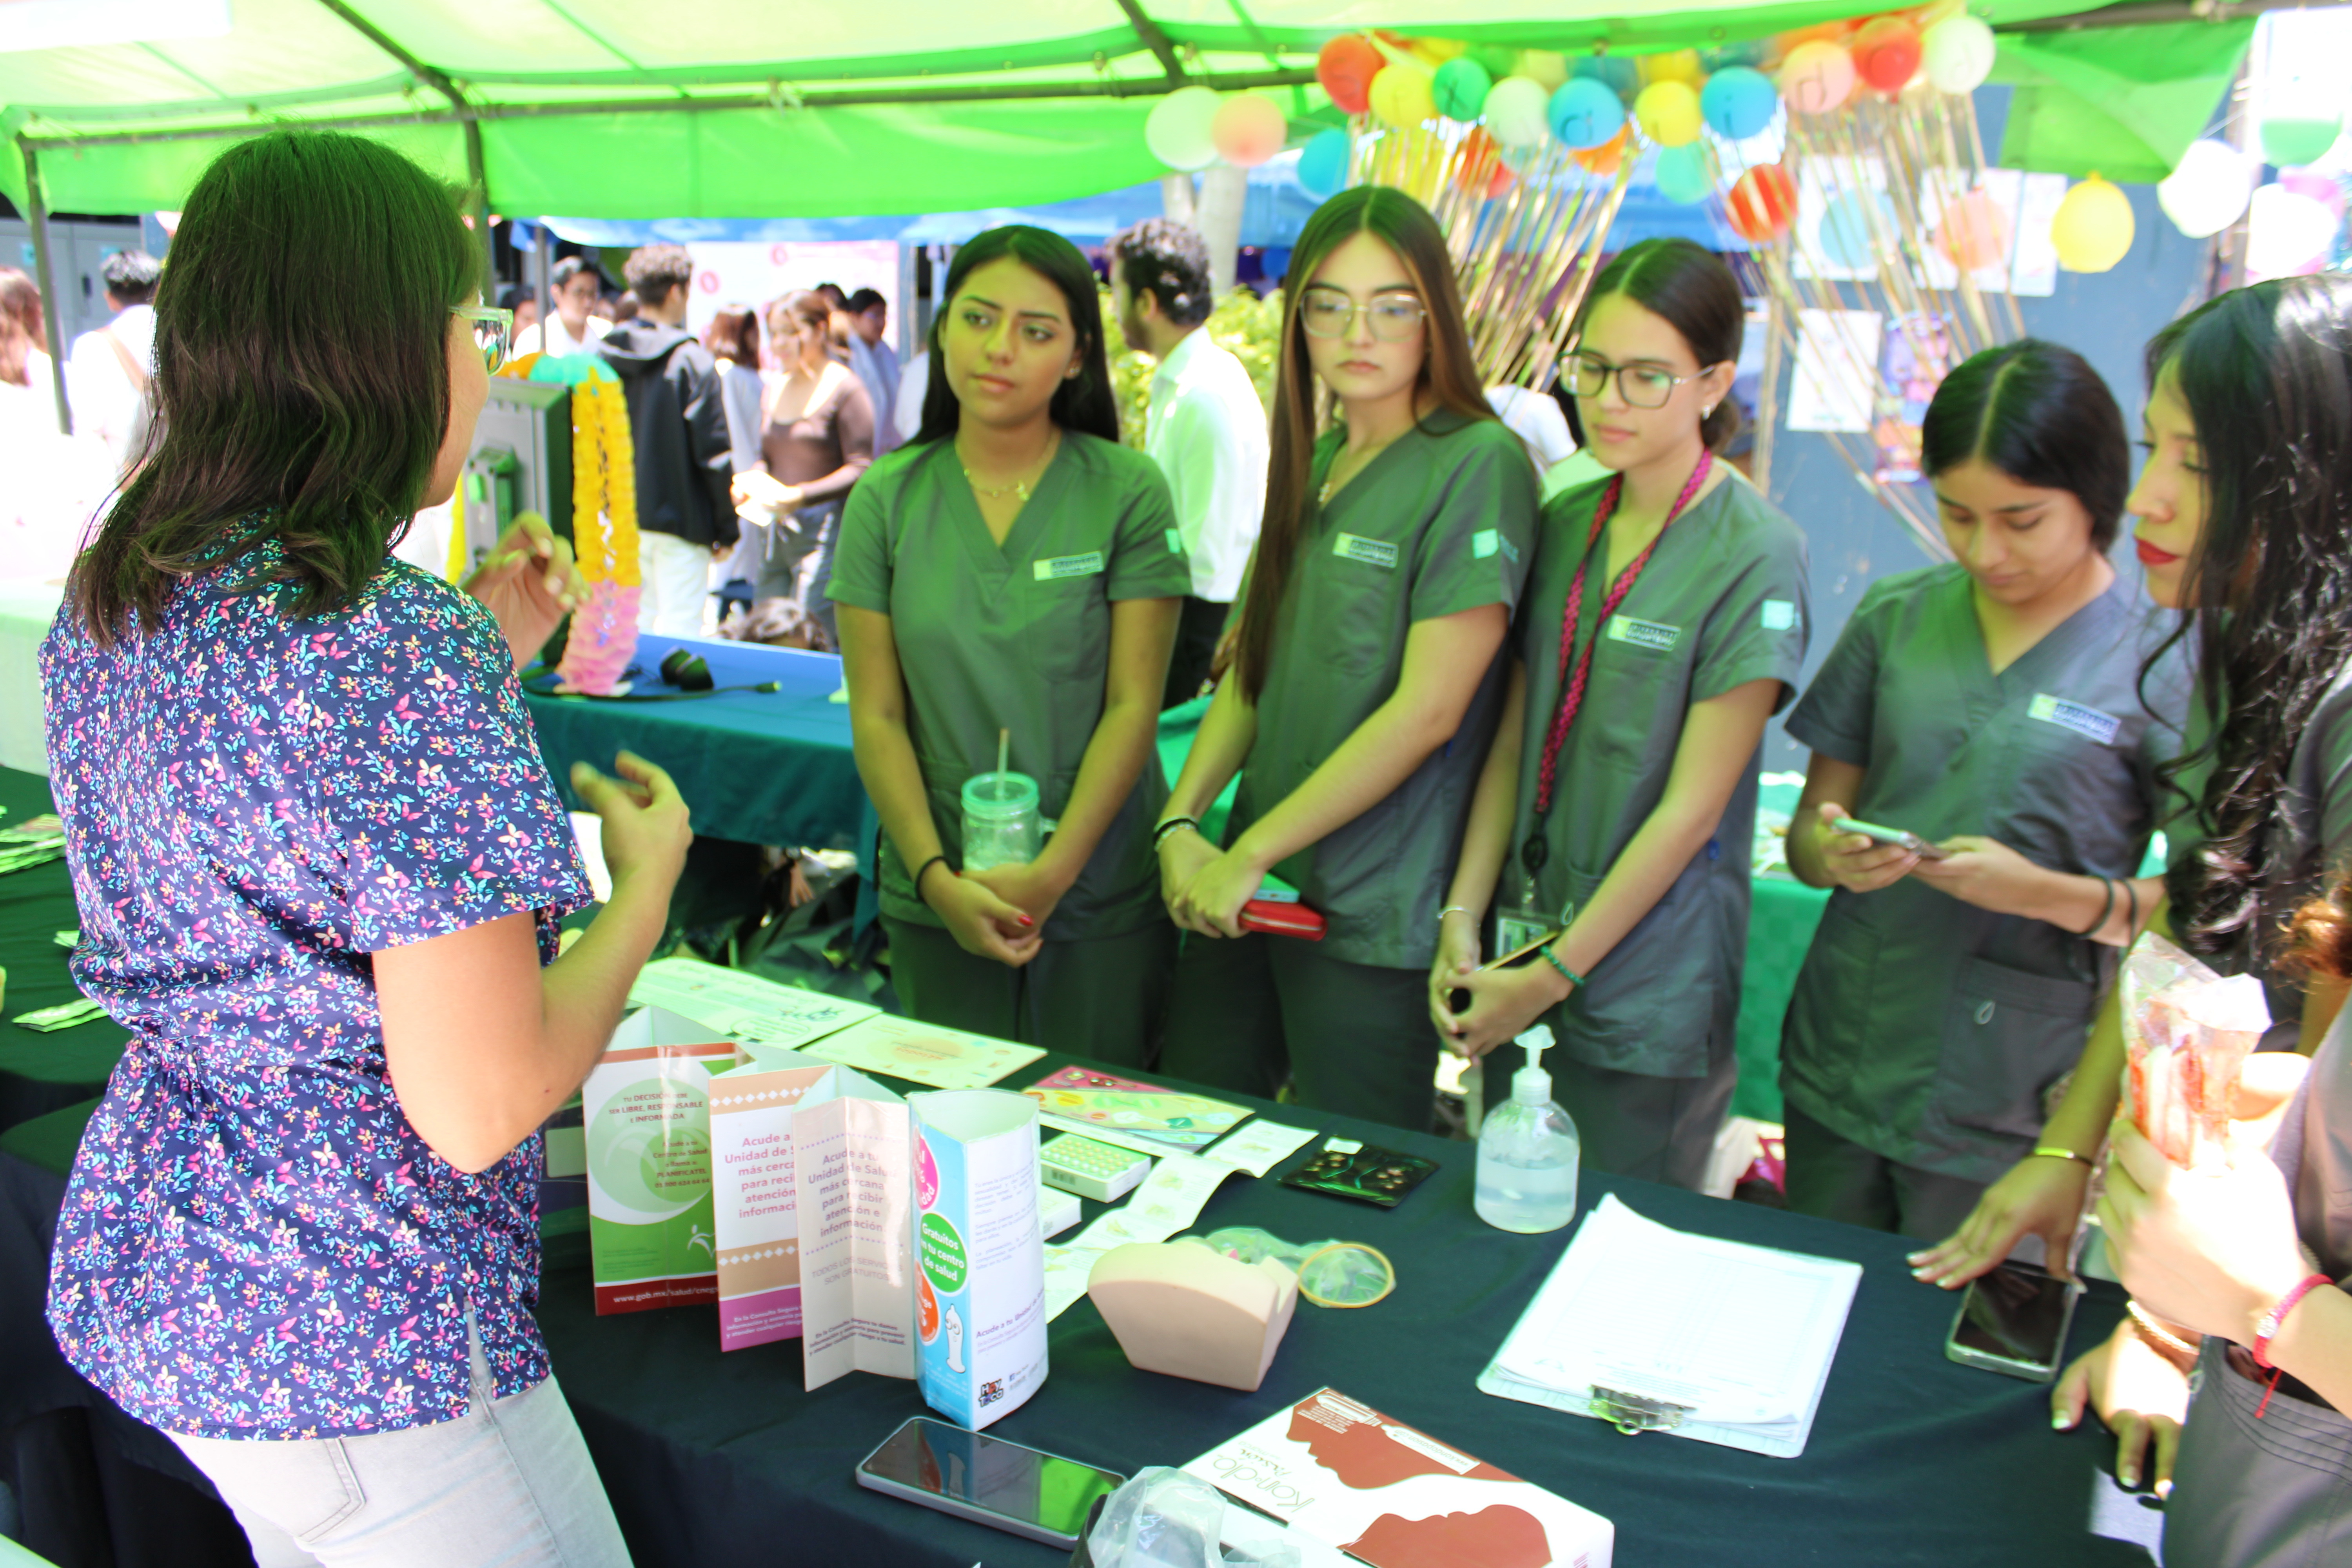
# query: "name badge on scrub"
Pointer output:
{"type": "Point", "coordinates": [1062, 567]}
{"type": "Point", "coordinates": [1516, 925]}
{"type": "Point", "coordinates": [2087, 722]}
{"type": "Point", "coordinates": [1653, 634]}
{"type": "Point", "coordinates": [1371, 551]}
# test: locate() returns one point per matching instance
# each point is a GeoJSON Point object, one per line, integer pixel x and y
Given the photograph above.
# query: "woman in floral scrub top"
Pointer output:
{"type": "Point", "coordinates": [319, 863]}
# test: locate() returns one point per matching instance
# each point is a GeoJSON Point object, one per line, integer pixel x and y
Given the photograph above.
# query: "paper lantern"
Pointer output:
{"type": "Point", "coordinates": [1668, 113]}
{"type": "Point", "coordinates": [1887, 53]}
{"type": "Point", "coordinates": [1604, 158]}
{"type": "Point", "coordinates": [1850, 225]}
{"type": "Point", "coordinates": [2208, 191]}
{"type": "Point", "coordinates": [1584, 113]}
{"type": "Point", "coordinates": [1515, 111]}
{"type": "Point", "coordinates": [1346, 68]}
{"type": "Point", "coordinates": [1248, 128]}
{"type": "Point", "coordinates": [1544, 67]}
{"type": "Point", "coordinates": [1177, 129]}
{"type": "Point", "coordinates": [1762, 204]}
{"type": "Point", "coordinates": [2292, 141]}
{"type": "Point", "coordinates": [1615, 72]}
{"type": "Point", "coordinates": [1400, 97]}
{"type": "Point", "coordinates": [2287, 233]}
{"type": "Point", "coordinates": [1323, 163]}
{"type": "Point", "coordinates": [2093, 226]}
{"type": "Point", "coordinates": [1957, 52]}
{"type": "Point", "coordinates": [1671, 65]}
{"type": "Point", "coordinates": [1460, 88]}
{"type": "Point", "coordinates": [1682, 176]}
{"type": "Point", "coordinates": [1974, 232]}
{"type": "Point", "coordinates": [1739, 102]}
{"type": "Point", "coordinates": [1816, 77]}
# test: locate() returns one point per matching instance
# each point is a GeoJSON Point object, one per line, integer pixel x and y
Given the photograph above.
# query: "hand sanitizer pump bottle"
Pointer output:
{"type": "Point", "coordinates": [1527, 1151]}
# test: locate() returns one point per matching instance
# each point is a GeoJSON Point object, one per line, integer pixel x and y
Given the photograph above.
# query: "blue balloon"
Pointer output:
{"type": "Point", "coordinates": [1739, 102]}
{"type": "Point", "coordinates": [1584, 113]}
{"type": "Point", "coordinates": [1848, 232]}
{"type": "Point", "coordinates": [1682, 174]}
{"type": "Point", "coordinates": [1617, 73]}
{"type": "Point", "coordinates": [1752, 52]}
{"type": "Point", "coordinates": [1323, 163]}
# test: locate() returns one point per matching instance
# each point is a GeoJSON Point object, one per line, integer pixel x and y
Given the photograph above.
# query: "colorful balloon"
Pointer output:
{"type": "Point", "coordinates": [1887, 53]}
{"type": "Point", "coordinates": [1544, 67]}
{"type": "Point", "coordinates": [1248, 128]}
{"type": "Point", "coordinates": [1499, 60]}
{"type": "Point", "coordinates": [1585, 113]}
{"type": "Point", "coordinates": [1515, 111]}
{"type": "Point", "coordinates": [1957, 52]}
{"type": "Point", "coordinates": [1460, 87]}
{"type": "Point", "coordinates": [1400, 97]}
{"type": "Point", "coordinates": [1671, 65]}
{"type": "Point", "coordinates": [1323, 163]}
{"type": "Point", "coordinates": [1682, 176]}
{"type": "Point", "coordinates": [1974, 232]}
{"type": "Point", "coordinates": [2291, 142]}
{"type": "Point", "coordinates": [2287, 233]}
{"type": "Point", "coordinates": [2093, 226]}
{"type": "Point", "coordinates": [1762, 204]}
{"type": "Point", "coordinates": [1177, 131]}
{"type": "Point", "coordinates": [1435, 52]}
{"type": "Point", "coordinates": [1850, 225]}
{"type": "Point", "coordinates": [1816, 76]}
{"type": "Point", "coordinates": [1346, 68]}
{"type": "Point", "coordinates": [2207, 191]}
{"type": "Point", "coordinates": [1739, 102]}
{"type": "Point", "coordinates": [1617, 73]}
{"type": "Point", "coordinates": [1604, 158]}
{"type": "Point", "coordinates": [1668, 113]}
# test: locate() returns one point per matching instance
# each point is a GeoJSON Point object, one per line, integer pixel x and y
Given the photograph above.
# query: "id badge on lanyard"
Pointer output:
{"type": "Point", "coordinates": [1524, 922]}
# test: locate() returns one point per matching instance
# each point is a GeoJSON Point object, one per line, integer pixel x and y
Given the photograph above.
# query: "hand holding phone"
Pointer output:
{"type": "Point", "coordinates": [1896, 836]}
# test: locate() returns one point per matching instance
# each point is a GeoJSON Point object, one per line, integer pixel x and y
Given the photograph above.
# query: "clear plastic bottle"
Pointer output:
{"type": "Point", "coordinates": [1527, 1151]}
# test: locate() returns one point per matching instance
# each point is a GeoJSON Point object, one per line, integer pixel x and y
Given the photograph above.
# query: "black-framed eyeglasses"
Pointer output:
{"type": "Point", "coordinates": [1328, 312]}
{"type": "Point", "coordinates": [1642, 384]}
{"type": "Point", "coordinates": [493, 332]}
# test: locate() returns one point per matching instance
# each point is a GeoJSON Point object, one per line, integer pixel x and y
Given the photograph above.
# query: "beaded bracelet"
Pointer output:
{"type": "Point", "coordinates": [1160, 834]}
{"type": "Point", "coordinates": [1570, 975]}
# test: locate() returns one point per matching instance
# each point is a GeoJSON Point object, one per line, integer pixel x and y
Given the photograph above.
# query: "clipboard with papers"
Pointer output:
{"type": "Point", "coordinates": [1653, 1329]}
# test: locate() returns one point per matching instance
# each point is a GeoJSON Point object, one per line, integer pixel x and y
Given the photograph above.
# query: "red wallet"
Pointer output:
{"type": "Point", "coordinates": [1282, 918]}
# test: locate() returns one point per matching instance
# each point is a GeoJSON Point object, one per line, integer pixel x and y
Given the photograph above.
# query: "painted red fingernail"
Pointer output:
{"type": "Point", "coordinates": [1028, 921]}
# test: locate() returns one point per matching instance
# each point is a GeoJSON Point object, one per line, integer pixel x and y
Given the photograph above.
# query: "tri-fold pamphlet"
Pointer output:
{"type": "Point", "coordinates": [1656, 1329]}
{"type": "Point", "coordinates": [645, 1108]}
{"type": "Point", "coordinates": [1340, 1476]}
{"type": "Point", "coordinates": [980, 1284]}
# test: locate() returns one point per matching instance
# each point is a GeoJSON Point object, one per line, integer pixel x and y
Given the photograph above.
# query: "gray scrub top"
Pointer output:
{"type": "Point", "coordinates": [1440, 523]}
{"type": "Point", "coordinates": [1924, 1028]}
{"type": "Point", "coordinates": [1016, 637]}
{"type": "Point", "coordinates": [2315, 816]}
{"type": "Point", "coordinates": [1723, 602]}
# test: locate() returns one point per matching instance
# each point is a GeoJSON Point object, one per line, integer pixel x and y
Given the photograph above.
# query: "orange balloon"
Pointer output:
{"type": "Point", "coordinates": [1762, 204]}
{"type": "Point", "coordinates": [1475, 161]}
{"type": "Point", "coordinates": [1604, 158]}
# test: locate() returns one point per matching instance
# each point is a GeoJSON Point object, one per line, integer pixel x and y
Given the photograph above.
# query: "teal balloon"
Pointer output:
{"type": "Point", "coordinates": [1323, 163]}
{"type": "Point", "coordinates": [1682, 174]}
{"type": "Point", "coordinates": [1752, 52]}
{"type": "Point", "coordinates": [1617, 73]}
{"type": "Point", "coordinates": [1848, 230]}
{"type": "Point", "coordinates": [1460, 88]}
{"type": "Point", "coordinates": [1584, 113]}
{"type": "Point", "coordinates": [1739, 102]}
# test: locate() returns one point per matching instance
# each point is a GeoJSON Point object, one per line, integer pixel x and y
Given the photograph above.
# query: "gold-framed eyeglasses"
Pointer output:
{"type": "Point", "coordinates": [1643, 384]}
{"type": "Point", "coordinates": [1328, 312]}
{"type": "Point", "coordinates": [493, 332]}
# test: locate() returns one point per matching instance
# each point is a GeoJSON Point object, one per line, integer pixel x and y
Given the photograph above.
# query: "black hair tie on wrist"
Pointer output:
{"type": "Point", "coordinates": [919, 875]}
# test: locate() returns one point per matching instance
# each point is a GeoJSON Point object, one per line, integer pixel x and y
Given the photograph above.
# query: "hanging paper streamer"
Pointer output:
{"type": "Point", "coordinates": [603, 637]}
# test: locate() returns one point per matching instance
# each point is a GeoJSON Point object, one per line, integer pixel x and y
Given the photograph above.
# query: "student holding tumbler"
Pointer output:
{"type": "Point", "coordinates": [1014, 570]}
{"type": "Point", "coordinates": [1367, 684]}
{"type": "Point", "coordinates": [1993, 705]}
{"type": "Point", "coordinates": [1664, 623]}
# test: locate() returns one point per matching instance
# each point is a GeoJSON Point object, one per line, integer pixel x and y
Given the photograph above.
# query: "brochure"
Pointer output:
{"type": "Point", "coordinates": [647, 1110]}
{"type": "Point", "coordinates": [926, 1052]}
{"type": "Point", "coordinates": [1139, 1116]}
{"type": "Point", "coordinates": [850, 1188]}
{"type": "Point", "coordinates": [980, 1287]}
{"type": "Point", "coordinates": [743, 1006]}
{"type": "Point", "coordinates": [753, 1196]}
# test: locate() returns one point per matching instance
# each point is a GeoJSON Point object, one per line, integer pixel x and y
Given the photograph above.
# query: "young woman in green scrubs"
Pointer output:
{"type": "Point", "coordinates": [1015, 569]}
{"type": "Point", "coordinates": [1993, 705]}
{"type": "Point", "coordinates": [1366, 684]}
{"type": "Point", "coordinates": [1663, 624]}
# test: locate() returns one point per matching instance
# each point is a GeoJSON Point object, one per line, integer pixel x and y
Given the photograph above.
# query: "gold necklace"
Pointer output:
{"type": "Point", "coordinates": [1018, 488]}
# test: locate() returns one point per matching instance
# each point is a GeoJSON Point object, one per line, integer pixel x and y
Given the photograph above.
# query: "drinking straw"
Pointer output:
{"type": "Point", "coordinates": [1003, 746]}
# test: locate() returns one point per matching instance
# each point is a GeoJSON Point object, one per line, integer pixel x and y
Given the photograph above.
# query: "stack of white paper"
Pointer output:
{"type": "Point", "coordinates": [1710, 1339]}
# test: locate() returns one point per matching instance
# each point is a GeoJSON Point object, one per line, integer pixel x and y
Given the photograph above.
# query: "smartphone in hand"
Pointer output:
{"type": "Point", "coordinates": [1893, 835]}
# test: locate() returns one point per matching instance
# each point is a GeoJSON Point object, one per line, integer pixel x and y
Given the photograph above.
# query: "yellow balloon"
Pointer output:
{"type": "Point", "coordinates": [1435, 52]}
{"type": "Point", "coordinates": [1673, 65]}
{"type": "Point", "coordinates": [2093, 227]}
{"type": "Point", "coordinates": [1668, 113]}
{"type": "Point", "coordinates": [1400, 96]}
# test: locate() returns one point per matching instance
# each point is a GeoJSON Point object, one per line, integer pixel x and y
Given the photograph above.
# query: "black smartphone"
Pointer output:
{"type": "Point", "coordinates": [989, 1480]}
{"type": "Point", "coordinates": [2014, 1320]}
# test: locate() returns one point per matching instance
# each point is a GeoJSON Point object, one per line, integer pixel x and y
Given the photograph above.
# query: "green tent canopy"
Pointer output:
{"type": "Point", "coordinates": [749, 109]}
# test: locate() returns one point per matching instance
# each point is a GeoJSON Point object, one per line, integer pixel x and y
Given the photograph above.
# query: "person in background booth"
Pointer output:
{"type": "Point", "coordinates": [575, 325]}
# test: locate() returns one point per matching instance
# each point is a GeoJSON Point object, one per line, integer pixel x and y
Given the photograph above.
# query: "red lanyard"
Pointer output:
{"type": "Point", "coordinates": [1571, 695]}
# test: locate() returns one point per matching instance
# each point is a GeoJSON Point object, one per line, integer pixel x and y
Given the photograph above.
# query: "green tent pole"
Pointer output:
{"type": "Point", "coordinates": [478, 202]}
{"type": "Point", "coordinates": [37, 212]}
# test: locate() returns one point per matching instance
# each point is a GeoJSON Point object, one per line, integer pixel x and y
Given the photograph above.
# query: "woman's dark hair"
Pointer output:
{"type": "Point", "coordinates": [734, 333]}
{"type": "Point", "coordinates": [2266, 372]}
{"type": "Point", "coordinates": [301, 374]}
{"type": "Point", "coordinates": [1084, 402]}
{"type": "Point", "coordinates": [1449, 374]}
{"type": "Point", "coordinates": [1688, 287]}
{"type": "Point", "coordinates": [2041, 415]}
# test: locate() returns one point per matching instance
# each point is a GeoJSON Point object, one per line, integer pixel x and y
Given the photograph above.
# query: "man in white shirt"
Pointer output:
{"type": "Point", "coordinates": [907, 408]}
{"type": "Point", "coordinates": [574, 284]}
{"type": "Point", "coordinates": [876, 363]}
{"type": "Point", "coordinates": [109, 371]}
{"type": "Point", "coordinates": [1206, 429]}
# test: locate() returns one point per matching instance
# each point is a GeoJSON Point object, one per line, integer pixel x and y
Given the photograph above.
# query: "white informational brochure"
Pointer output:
{"type": "Point", "coordinates": [743, 1006]}
{"type": "Point", "coordinates": [855, 1219]}
{"type": "Point", "coordinates": [928, 1053]}
{"type": "Point", "coordinates": [979, 1310]}
{"type": "Point", "coordinates": [1709, 1339]}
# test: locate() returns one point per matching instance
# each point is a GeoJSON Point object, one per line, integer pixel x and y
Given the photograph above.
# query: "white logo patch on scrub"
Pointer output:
{"type": "Point", "coordinates": [1062, 567]}
{"type": "Point", "coordinates": [1652, 635]}
{"type": "Point", "coordinates": [1371, 551]}
{"type": "Point", "coordinates": [1175, 542]}
{"type": "Point", "coordinates": [1779, 615]}
{"type": "Point", "coordinates": [1487, 541]}
{"type": "Point", "coordinates": [2087, 722]}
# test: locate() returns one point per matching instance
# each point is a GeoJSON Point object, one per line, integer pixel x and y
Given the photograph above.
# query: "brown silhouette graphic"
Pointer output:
{"type": "Point", "coordinates": [1498, 1537]}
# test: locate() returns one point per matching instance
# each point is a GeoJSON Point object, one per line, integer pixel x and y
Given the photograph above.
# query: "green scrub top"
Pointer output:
{"type": "Point", "coordinates": [1923, 1029]}
{"type": "Point", "coordinates": [1440, 523]}
{"type": "Point", "coordinates": [1723, 602]}
{"type": "Point", "coordinates": [2312, 842]}
{"type": "Point", "coordinates": [1016, 637]}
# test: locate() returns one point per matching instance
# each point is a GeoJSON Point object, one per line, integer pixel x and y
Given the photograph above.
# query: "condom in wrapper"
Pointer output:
{"type": "Point", "coordinates": [2186, 1032]}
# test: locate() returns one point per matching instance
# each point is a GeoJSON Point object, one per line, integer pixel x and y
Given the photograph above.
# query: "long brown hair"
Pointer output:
{"type": "Point", "coordinates": [21, 331]}
{"type": "Point", "coordinates": [1449, 374]}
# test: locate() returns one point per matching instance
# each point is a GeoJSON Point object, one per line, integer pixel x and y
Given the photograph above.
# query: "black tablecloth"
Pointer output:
{"type": "Point", "coordinates": [42, 1072]}
{"type": "Point", "coordinates": [715, 1458]}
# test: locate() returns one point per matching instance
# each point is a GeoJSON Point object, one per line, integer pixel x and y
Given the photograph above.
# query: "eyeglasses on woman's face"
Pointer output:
{"type": "Point", "coordinates": [1643, 384]}
{"type": "Point", "coordinates": [1328, 312]}
{"type": "Point", "coordinates": [493, 332]}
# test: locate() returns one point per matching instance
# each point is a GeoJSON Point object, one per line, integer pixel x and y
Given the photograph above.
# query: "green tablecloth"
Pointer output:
{"type": "Point", "coordinates": [40, 1072]}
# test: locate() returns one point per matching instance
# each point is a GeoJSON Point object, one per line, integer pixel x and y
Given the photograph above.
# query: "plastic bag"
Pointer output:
{"type": "Point", "coordinates": [1330, 1273]}
{"type": "Point", "coordinates": [1163, 1518]}
{"type": "Point", "coordinates": [2186, 1032]}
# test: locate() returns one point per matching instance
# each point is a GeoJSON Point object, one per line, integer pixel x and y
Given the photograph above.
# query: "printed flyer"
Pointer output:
{"type": "Point", "coordinates": [646, 1110]}
{"type": "Point", "coordinates": [979, 1288]}
{"type": "Point", "coordinates": [850, 1186]}
{"type": "Point", "coordinates": [754, 1198]}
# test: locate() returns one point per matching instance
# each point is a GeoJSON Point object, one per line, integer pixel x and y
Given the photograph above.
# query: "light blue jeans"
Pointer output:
{"type": "Point", "coordinates": [507, 1485]}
